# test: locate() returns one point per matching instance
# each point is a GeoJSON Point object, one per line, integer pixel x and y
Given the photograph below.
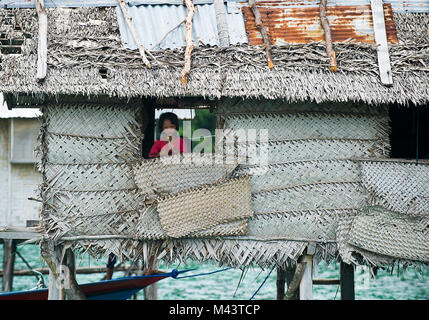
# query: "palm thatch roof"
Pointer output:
{"type": "Point", "coordinates": [86, 56]}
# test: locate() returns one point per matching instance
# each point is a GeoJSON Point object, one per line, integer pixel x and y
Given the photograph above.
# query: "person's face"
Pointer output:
{"type": "Point", "coordinates": [169, 131]}
{"type": "Point", "coordinates": [168, 125]}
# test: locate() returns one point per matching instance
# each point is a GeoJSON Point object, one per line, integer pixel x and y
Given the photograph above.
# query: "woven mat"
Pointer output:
{"type": "Point", "coordinates": [391, 233]}
{"type": "Point", "coordinates": [199, 208]}
{"type": "Point", "coordinates": [401, 186]}
{"type": "Point", "coordinates": [162, 176]}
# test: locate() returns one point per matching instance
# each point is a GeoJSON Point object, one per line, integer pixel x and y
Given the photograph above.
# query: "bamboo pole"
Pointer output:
{"type": "Point", "coordinates": [189, 42]}
{"type": "Point", "coordinates": [263, 31]}
{"type": "Point", "coordinates": [328, 38]}
{"type": "Point", "coordinates": [42, 42]}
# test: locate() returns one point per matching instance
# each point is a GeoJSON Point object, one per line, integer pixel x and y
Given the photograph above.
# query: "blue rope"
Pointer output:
{"type": "Point", "coordinates": [202, 274]}
{"type": "Point", "coordinates": [263, 282]}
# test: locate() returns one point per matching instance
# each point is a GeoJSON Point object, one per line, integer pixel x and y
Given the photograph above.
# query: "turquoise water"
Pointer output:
{"type": "Point", "coordinates": [409, 285]}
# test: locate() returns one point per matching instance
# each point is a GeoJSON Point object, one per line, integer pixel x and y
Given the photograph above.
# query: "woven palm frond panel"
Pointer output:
{"type": "Point", "coordinates": [90, 177]}
{"type": "Point", "coordinates": [401, 186]}
{"type": "Point", "coordinates": [205, 206]}
{"type": "Point", "coordinates": [295, 173]}
{"type": "Point", "coordinates": [148, 226]}
{"type": "Point", "coordinates": [231, 106]}
{"type": "Point", "coordinates": [161, 176]}
{"type": "Point", "coordinates": [391, 233]}
{"type": "Point", "coordinates": [336, 195]}
{"type": "Point", "coordinates": [311, 149]}
{"type": "Point", "coordinates": [295, 126]}
{"type": "Point", "coordinates": [93, 120]}
{"type": "Point", "coordinates": [311, 225]}
{"type": "Point", "coordinates": [87, 150]}
{"type": "Point", "coordinates": [304, 183]}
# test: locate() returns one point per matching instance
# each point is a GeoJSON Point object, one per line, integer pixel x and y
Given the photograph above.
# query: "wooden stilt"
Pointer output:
{"type": "Point", "coordinates": [281, 280]}
{"type": "Point", "coordinates": [290, 275]}
{"type": "Point", "coordinates": [62, 280]}
{"type": "Point", "coordinates": [347, 281]}
{"type": "Point", "coordinates": [151, 292]}
{"type": "Point", "coordinates": [8, 264]}
{"type": "Point", "coordinates": [306, 285]}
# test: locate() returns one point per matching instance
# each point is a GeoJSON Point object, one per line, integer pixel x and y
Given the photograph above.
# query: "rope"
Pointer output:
{"type": "Point", "coordinates": [201, 274]}
{"type": "Point", "coordinates": [263, 282]}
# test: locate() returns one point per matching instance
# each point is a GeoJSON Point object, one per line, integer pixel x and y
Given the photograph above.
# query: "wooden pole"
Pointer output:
{"type": "Point", "coordinates": [281, 280]}
{"type": "Point", "coordinates": [129, 23]}
{"type": "Point", "coordinates": [328, 38]}
{"type": "Point", "coordinates": [347, 281]}
{"type": "Point", "coordinates": [8, 263]}
{"type": "Point", "coordinates": [62, 280]}
{"type": "Point", "coordinates": [189, 42]}
{"type": "Point", "coordinates": [306, 285]}
{"type": "Point", "coordinates": [263, 31]}
{"type": "Point", "coordinates": [293, 278]}
{"type": "Point", "coordinates": [151, 291]}
{"type": "Point", "coordinates": [42, 44]}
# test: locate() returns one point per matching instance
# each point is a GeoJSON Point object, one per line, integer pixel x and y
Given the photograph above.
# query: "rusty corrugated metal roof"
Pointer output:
{"type": "Point", "coordinates": [301, 24]}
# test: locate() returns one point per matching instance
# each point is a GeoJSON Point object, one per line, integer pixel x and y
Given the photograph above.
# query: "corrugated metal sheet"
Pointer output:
{"type": "Point", "coordinates": [398, 5]}
{"type": "Point", "coordinates": [301, 24]}
{"type": "Point", "coordinates": [161, 27]}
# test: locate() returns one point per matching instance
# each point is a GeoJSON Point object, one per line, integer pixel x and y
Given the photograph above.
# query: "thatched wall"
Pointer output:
{"type": "Point", "coordinates": [310, 191]}
{"type": "Point", "coordinates": [84, 41]}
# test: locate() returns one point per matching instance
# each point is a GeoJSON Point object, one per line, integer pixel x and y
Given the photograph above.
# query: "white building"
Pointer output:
{"type": "Point", "coordinates": [19, 176]}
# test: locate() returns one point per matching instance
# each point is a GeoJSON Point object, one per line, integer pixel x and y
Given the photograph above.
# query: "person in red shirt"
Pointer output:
{"type": "Point", "coordinates": [170, 142]}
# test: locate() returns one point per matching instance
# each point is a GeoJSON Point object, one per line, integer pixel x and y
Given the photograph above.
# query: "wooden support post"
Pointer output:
{"type": "Point", "coordinates": [306, 284]}
{"type": "Point", "coordinates": [151, 291]}
{"type": "Point", "coordinates": [381, 40]}
{"type": "Point", "coordinates": [281, 280]}
{"type": "Point", "coordinates": [149, 121]}
{"type": "Point", "coordinates": [347, 281]}
{"type": "Point", "coordinates": [62, 280]}
{"type": "Point", "coordinates": [293, 278]}
{"type": "Point", "coordinates": [42, 44]}
{"type": "Point", "coordinates": [8, 264]}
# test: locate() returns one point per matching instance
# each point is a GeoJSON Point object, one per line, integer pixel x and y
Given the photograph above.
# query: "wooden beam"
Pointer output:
{"type": "Point", "coordinates": [381, 40]}
{"type": "Point", "coordinates": [18, 233]}
{"type": "Point", "coordinates": [8, 264]}
{"type": "Point", "coordinates": [347, 281]}
{"type": "Point", "coordinates": [42, 42]}
{"type": "Point", "coordinates": [306, 284]}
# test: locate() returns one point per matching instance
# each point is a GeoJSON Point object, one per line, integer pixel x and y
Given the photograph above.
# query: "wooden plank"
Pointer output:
{"type": "Point", "coordinates": [347, 281]}
{"type": "Point", "coordinates": [8, 264]}
{"type": "Point", "coordinates": [42, 43]}
{"type": "Point", "coordinates": [18, 233]}
{"type": "Point", "coordinates": [381, 40]}
{"type": "Point", "coordinates": [306, 284]}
